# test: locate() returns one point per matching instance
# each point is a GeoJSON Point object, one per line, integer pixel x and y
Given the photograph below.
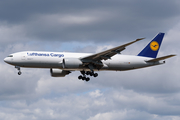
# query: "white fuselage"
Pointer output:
{"type": "Point", "coordinates": [38, 59]}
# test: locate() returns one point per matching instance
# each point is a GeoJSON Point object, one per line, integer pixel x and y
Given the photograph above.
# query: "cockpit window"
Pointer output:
{"type": "Point", "coordinates": [10, 56]}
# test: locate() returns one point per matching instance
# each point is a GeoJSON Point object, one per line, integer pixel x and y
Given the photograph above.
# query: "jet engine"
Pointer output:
{"type": "Point", "coordinates": [58, 72]}
{"type": "Point", "coordinates": [71, 63]}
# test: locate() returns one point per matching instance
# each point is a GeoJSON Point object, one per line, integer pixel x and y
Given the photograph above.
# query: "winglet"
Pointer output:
{"type": "Point", "coordinates": [151, 50]}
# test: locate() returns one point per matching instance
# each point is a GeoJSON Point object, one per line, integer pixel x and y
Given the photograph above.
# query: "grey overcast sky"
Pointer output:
{"type": "Point", "coordinates": [89, 26]}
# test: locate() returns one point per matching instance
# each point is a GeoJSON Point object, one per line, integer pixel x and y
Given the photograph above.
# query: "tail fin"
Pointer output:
{"type": "Point", "coordinates": [151, 50]}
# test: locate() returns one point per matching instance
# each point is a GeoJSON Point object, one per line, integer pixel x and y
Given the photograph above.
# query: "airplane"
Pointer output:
{"type": "Point", "coordinates": [63, 63]}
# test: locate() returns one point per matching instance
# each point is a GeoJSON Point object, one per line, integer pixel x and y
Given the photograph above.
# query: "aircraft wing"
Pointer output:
{"type": "Point", "coordinates": [109, 53]}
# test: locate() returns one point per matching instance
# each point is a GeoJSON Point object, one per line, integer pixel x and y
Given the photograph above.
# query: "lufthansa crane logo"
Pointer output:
{"type": "Point", "coordinates": [154, 46]}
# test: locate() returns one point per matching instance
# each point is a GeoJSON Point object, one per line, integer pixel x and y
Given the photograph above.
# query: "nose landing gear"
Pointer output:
{"type": "Point", "coordinates": [19, 73]}
{"type": "Point", "coordinates": [19, 70]}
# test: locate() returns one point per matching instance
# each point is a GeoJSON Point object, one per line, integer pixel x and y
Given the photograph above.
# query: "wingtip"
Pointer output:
{"type": "Point", "coordinates": [173, 55]}
{"type": "Point", "coordinates": [139, 39]}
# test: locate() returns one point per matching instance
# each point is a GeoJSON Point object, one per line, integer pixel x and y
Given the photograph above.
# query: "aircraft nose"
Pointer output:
{"type": "Point", "coordinates": [6, 60]}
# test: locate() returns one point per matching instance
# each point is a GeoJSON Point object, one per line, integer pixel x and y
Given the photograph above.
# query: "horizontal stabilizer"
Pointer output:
{"type": "Point", "coordinates": [160, 58]}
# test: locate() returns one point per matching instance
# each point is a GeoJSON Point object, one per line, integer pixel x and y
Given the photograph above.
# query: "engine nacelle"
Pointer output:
{"type": "Point", "coordinates": [58, 72]}
{"type": "Point", "coordinates": [71, 63]}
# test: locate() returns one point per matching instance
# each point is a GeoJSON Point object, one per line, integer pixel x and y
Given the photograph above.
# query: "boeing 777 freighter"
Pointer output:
{"type": "Point", "coordinates": [63, 63]}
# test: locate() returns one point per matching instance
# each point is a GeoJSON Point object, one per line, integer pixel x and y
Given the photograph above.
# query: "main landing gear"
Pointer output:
{"type": "Point", "coordinates": [19, 70]}
{"type": "Point", "coordinates": [83, 76]}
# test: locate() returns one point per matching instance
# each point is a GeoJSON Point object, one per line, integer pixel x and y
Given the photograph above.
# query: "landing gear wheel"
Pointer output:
{"type": "Point", "coordinates": [87, 73]}
{"type": "Point", "coordinates": [90, 73]}
{"type": "Point", "coordinates": [80, 77]}
{"type": "Point", "coordinates": [95, 74]}
{"type": "Point", "coordinates": [83, 78]}
{"type": "Point", "coordinates": [19, 73]}
{"type": "Point", "coordinates": [87, 79]}
{"type": "Point", "coordinates": [84, 74]}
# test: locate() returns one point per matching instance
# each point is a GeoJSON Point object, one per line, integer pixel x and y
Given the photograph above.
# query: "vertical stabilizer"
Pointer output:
{"type": "Point", "coordinates": [151, 50]}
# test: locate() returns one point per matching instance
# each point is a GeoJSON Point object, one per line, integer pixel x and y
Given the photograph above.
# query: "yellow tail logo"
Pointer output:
{"type": "Point", "coordinates": [154, 46]}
